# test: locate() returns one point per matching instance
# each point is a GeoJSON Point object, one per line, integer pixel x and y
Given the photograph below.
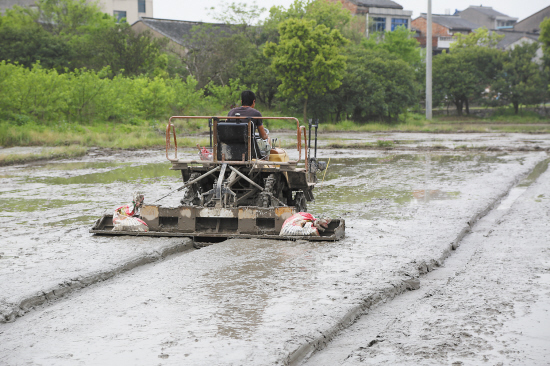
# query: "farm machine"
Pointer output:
{"type": "Point", "coordinates": [239, 186]}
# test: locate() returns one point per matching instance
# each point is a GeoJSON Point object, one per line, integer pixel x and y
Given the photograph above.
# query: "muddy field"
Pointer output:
{"type": "Point", "coordinates": [68, 297]}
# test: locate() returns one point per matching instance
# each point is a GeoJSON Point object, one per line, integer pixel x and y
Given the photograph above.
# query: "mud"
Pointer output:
{"type": "Point", "coordinates": [487, 305]}
{"type": "Point", "coordinates": [236, 302]}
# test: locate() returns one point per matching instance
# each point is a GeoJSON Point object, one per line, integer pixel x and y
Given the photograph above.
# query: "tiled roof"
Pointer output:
{"type": "Point", "coordinates": [179, 31]}
{"type": "Point", "coordinates": [490, 12]}
{"type": "Point", "coordinates": [512, 37]}
{"type": "Point", "coordinates": [378, 4]}
{"type": "Point", "coordinates": [452, 22]}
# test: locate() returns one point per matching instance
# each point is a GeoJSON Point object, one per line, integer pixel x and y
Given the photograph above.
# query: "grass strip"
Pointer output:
{"type": "Point", "coordinates": [53, 153]}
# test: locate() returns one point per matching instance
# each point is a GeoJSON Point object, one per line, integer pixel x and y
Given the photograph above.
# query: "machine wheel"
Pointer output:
{"type": "Point", "coordinates": [192, 196]}
{"type": "Point", "coordinates": [300, 202]}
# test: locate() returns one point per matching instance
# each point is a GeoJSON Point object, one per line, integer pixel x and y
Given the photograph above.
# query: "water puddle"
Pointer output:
{"type": "Point", "coordinates": [35, 204]}
{"type": "Point", "coordinates": [87, 220]}
{"type": "Point", "coordinates": [121, 174]}
{"type": "Point", "coordinates": [518, 190]}
{"type": "Point", "coordinates": [539, 169]}
{"type": "Point", "coordinates": [380, 186]}
{"type": "Point", "coordinates": [80, 165]}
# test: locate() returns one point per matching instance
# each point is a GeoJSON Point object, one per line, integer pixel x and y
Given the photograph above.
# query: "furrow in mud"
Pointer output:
{"type": "Point", "coordinates": [319, 341]}
{"type": "Point", "coordinates": [9, 312]}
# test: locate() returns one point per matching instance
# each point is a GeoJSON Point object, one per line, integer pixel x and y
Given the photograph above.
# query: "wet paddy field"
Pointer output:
{"type": "Point", "coordinates": [68, 297]}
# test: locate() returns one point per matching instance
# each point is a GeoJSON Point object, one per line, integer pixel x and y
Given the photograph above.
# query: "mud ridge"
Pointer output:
{"type": "Point", "coordinates": [438, 148]}
{"type": "Point", "coordinates": [9, 312]}
{"type": "Point", "coordinates": [409, 282]}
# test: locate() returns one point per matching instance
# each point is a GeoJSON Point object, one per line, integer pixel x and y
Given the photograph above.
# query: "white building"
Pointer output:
{"type": "Point", "coordinates": [132, 10]}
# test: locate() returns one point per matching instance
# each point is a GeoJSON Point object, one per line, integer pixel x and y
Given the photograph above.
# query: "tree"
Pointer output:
{"type": "Point", "coordinates": [481, 37]}
{"type": "Point", "coordinates": [215, 52]}
{"type": "Point", "coordinates": [26, 46]}
{"type": "Point", "coordinates": [399, 42]}
{"type": "Point", "coordinates": [544, 37]}
{"type": "Point", "coordinates": [377, 85]}
{"type": "Point", "coordinates": [122, 49]}
{"type": "Point", "coordinates": [307, 60]}
{"type": "Point", "coordinates": [255, 71]}
{"type": "Point", "coordinates": [521, 81]}
{"type": "Point", "coordinates": [464, 75]}
{"type": "Point", "coordinates": [238, 13]}
{"type": "Point", "coordinates": [328, 13]}
{"type": "Point", "coordinates": [68, 17]}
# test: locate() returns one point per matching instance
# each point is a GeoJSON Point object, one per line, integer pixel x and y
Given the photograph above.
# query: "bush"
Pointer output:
{"type": "Point", "coordinates": [84, 96]}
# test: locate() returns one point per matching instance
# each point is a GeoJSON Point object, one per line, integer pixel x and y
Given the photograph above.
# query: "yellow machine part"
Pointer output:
{"type": "Point", "coordinates": [278, 155]}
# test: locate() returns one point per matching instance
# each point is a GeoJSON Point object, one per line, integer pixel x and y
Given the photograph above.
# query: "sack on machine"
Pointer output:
{"type": "Point", "coordinates": [124, 217]}
{"type": "Point", "coordinates": [303, 224]}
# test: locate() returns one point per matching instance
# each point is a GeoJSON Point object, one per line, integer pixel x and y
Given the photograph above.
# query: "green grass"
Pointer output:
{"type": "Point", "coordinates": [72, 139]}
{"type": "Point", "coordinates": [56, 152]}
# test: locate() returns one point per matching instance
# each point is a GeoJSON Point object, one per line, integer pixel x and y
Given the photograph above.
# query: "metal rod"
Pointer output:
{"type": "Point", "coordinates": [316, 127]}
{"type": "Point", "coordinates": [218, 193]}
{"type": "Point", "coordinates": [188, 183]}
{"type": "Point", "coordinates": [309, 146]}
{"type": "Point", "coordinates": [210, 127]}
{"type": "Point", "coordinates": [215, 148]}
{"type": "Point", "coordinates": [429, 41]}
{"type": "Point", "coordinates": [235, 117]}
{"type": "Point", "coordinates": [305, 147]}
{"type": "Point", "coordinates": [168, 131]}
{"type": "Point", "coordinates": [246, 178]}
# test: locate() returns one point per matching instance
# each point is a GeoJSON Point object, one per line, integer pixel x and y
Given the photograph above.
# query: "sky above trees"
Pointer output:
{"type": "Point", "coordinates": [198, 10]}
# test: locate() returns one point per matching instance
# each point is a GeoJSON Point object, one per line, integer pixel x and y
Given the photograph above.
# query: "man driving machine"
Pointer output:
{"type": "Point", "coordinates": [248, 102]}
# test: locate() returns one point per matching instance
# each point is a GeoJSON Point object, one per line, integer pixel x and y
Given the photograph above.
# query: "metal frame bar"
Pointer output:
{"type": "Point", "coordinates": [170, 129]}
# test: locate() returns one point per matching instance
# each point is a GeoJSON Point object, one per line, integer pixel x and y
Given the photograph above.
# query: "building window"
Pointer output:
{"type": "Point", "coordinates": [119, 14]}
{"type": "Point", "coordinates": [501, 24]}
{"type": "Point", "coordinates": [378, 24]}
{"type": "Point", "coordinates": [397, 22]}
{"type": "Point", "coordinates": [141, 6]}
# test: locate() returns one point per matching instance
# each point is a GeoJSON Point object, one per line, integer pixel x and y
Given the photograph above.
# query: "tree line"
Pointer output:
{"type": "Point", "coordinates": [66, 59]}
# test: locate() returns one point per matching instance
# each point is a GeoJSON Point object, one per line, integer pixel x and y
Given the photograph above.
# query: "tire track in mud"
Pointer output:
{"type": "Point", "coordinates": [318, 342]}
{"type": "Point", "coordinates": [9, 312]}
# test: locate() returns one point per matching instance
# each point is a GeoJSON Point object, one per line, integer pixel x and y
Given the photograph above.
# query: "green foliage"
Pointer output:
{"type": "Point", "coordinates": [27, 45]}
{"type": "Point", "coordinates": [67, 17]}
{"type": "Point", "coordinates": [328, 13]}
{"type": "Point", "coordinates": [70, 34]}
{"type": "Point", "coordinates": [377, 85]}
{"type": "Point", "coordinates": [463, 75]}
{"type": "Point", "coordinates": [256, 69]}
{"type": "Point", "coordinates": [228, 96]}
{"type": "Point", "coordinates": [238, 13]}
{"type": "Point", "coordinates": [215, 52]}
{"type": "Point", "coordinates": [480, 37]}
{"type": "Point", "coordinates": [82, 95]}
{"type": "Point", "coordinates": [307, 60]}
{"type": "Point", "coordinates": [122, 50]}
{"type": "Point", "coordinates": [399, 43]}
{"type": "Point", "coordinates": [520, 82]}
{"type": "Point", "coordinates": [544, 37]}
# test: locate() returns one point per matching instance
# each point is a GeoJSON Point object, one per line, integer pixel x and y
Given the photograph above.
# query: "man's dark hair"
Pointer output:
{"type": "Point", "coordinates": [248, 97]}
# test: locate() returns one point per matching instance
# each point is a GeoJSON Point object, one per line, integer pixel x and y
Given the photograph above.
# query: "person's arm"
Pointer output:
{"type": "Point", "coordinates": [262, 132]}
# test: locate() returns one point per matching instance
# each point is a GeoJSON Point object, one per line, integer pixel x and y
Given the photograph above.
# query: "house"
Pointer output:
{"type": "Point", "coordinates": [8, 4]}
{"type": "Point", "coordinates": [380, 15]}
{"type": "Point", "coordinates": [514, 38]}
{"type": "Point", "coordinates": [486, 16]}
{"type": "Point", "coordinates": [178, 32]}
{"type": "Point", "coordinates": [532, 23]}
{"type": "Point", "coordinates": [132, 10]}
{"type": "Point", "coordinates": [444, 29]}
